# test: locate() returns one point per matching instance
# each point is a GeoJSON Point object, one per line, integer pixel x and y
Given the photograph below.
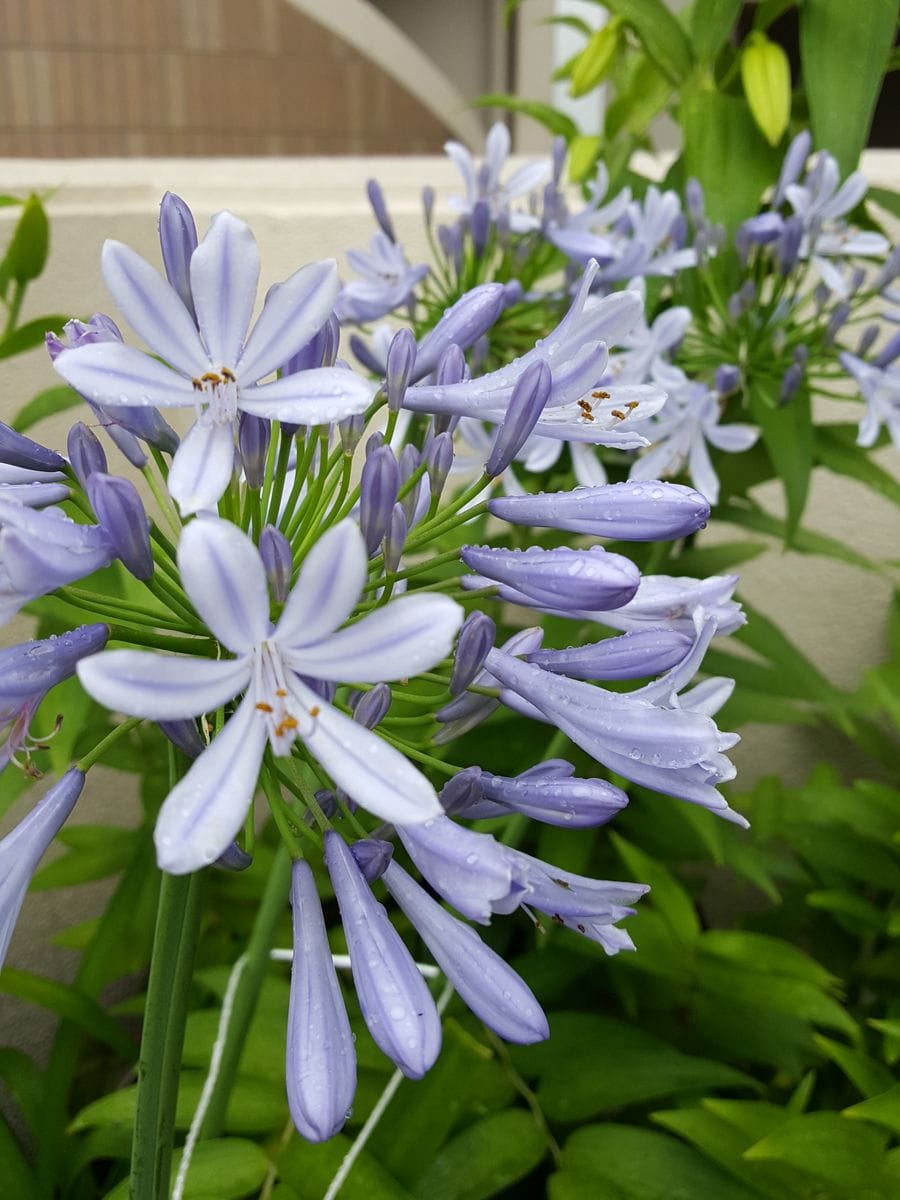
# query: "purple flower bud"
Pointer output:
{"type": "Point", "coordinates": [184, 734]}
{"type": "Point", "coordinates": [794, 159]}
{"type": "Point", "coordinates": [86, 455]}
{"type": "Point", "coordinates": [678, 232]}
{"type": "Point", "coordinates": [530, 394]}
{"type": "Point", "coordinates": [372, 707]}
{"type": "Point", "coordinates": [452, 366]}
{"type": "Point", "coordinates": [394, 998]}
{"type": "Point", "coordinates": [310, 356]}
{"type": "Point", "coordinates": [351, 430]}
{"type": "Point", "coordinates": [253, 445]}
{"type": "Point", "coordinates": [867, 339]}
{"type": "Point", "coordinates": [178, 241]}
{"type": "Point", "coordinates": [762, 229]}
{"type": "Point", "coordinates": [559, 147]}
{"type": "Point", "coordinates": [787, 248]}
{"type": "Point", "coordinates": [586, 580]}
{"type": "Point", "coordinates": [450, 241]}
{"type": "Point", "coordinates": [512, 293]}
{"type": "Point", "coordinates": [462, 324]}
{"type": "Point", "coordinates": [630, 656]}
{"type": "Point", "coordinates": [696, 203]}
{"type": "Point", "coordinates": [889, 353]}
{"type": "Point", "coordinates": [461, 792]}
{"type": "Point", "coordinates": [17, 450]}
{"type": "Point", "coordinates": [378, 487]}
{"type": "Point", "coordinates": [889, 271]}
{"type": "Point", "coordinates": [374, 442]}
{"type": "Point", "coordinates": [320, 1064]}
{"type": "Point", "coordinates": [22, 849]}
{"type": "Point", "coordinates": [365, 354]}
{"type": "Point", "coordinates": [428, 204]}
{"type": "Point", "coordinates": [790, 383]}
{"type": "Point", "coordinates": [821, 294]}
{"type": "Point", "coordinates": [839, 316]}
{"type": "Point", "coordinates": [145, 423]}
{"type": "Point", "coordinates": [632, 511]}
{"type": "Point", "coordinates": [735, 306]}
{"type": "Point", "coordinates": [572, 802]}
{"type": "Point", "coordinates": [480, 226]}
{"type": "Point", "coordinates": [395, 538]}
{"type": "Point", "coordinates": [476, 637]}
{"type": "Point", "coordinates": [278, 560]}
{"type": "Point", "coordinates": [728, 378]}
{"type": "Point", "coordinates": [401, 360]}
{"type": "Point", "coordinates": [120, 513]}
{"type": "Point", "coordinates": [748, 293]}
{"type": "Point", "coordinates": [233, 858]}
{"type": "Point", "coordinates": [379, 208]}
{"type": "Point", "coordinates": [801, 354]}
{"type": "Point", "coordinates": [491, 989]}
{"type": "Point", "coordinates": [128, 444]}
{"type": "Point", "coordinates": [439, 457]}
{"type": "Point", "coordinates": [372, 857]}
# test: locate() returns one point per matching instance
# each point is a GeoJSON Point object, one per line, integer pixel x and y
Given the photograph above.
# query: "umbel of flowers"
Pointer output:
{"type": "Point", "coordinates": [292, 619]}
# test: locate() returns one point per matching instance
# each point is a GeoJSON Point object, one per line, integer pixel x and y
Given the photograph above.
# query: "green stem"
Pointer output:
{"type": "Point", "coordinates": [120, 731]}
{"type": "Point", "coordinates": [272, 906]}
{"type": "Point", "coordinates": [165, 1014]}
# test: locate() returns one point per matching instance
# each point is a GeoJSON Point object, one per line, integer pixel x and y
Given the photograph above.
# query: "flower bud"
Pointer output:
{"type": "Point", "coordinates": [378, 488]}
{"type": "Point", "coordinates": [128, 444]}
{"type": "Point", "coordinates": [351, 430]}
{"type": "Point", "coordinates": [184, 734]}
{"type": "Point", "coordinates": [529, 396]}
{"type": "Point", "coordinates": [17, 450]}
{"type": "Point", "coordinates": [372, 857]}
{"type": "Point", "coordinates": [372, 706]}
{"type": "Point", "coordinates": [634, 512]}
{"type": "Point", "coordinates": [480, 226]}
{"type": "Point", "coordinates": [401, 360]}
{"type": "Point", "coordinates": [233, 858]}
{"type": "Point", "coordinates": [891, 349]}
{"type": "Point", "coordinates": [86, 455]}
{"type": "Point", "coordinates": [177, 241]}
{"type": "Point", "coordinates": [696, 203]}
{"type": "Point", "coordinates": [787, 248]}
{"type": "Point", "coordinates": [867, 339]}
{"type": "Point", "coordinates": [476, 637]}
{"type": "Point", "coordinates": [275, 551]}
{"type": "Point", "coordinates": [379, 208]}
{"type": "Point", "coordinates": [395, 538]}
{"type": "Point", "coordinates": [120, 513]}
{"type": "Point", "coordinates": [428, 204]}
{"type": "Point", "coordinates": [839, 316]}
{"type": "Point", "coordinates": [790, 383]}
{"type": "Point", "coordinates": [452, 366]}
{"type": "Point", "coordinates": [462, 324]}
{"type": "Point", "coordinates": [439, 457]}
{"type": "Point", "coordinates": [727, 379]}
{"type": "Point", "coordinates": [581, 580]}
{"type": "Point", "coordinates": [253, 446]}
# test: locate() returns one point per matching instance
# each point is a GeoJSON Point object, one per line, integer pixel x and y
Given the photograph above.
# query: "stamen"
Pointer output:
{"type": "Point", "coordinates": [600, 395]}
{"type": "Point", "coordinates": [617, 412]}
{"type": "Point", "coordinates": [314, 711]}
{"type": "Point", "coordinates": [263, 707]}
{"type": "Point", "coordinates": [229, 375]}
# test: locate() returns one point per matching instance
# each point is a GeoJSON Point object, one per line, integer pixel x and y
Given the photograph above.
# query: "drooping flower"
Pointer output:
{"type": "Point", "coordinates": [212, 364]}
{"type": "Point", "coordinates": [275, 667]}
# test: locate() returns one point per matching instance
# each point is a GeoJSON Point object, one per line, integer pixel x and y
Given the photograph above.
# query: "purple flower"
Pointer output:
{"type": "Point", "coordinates": [880, 387]}
{"type": "Point", "coordinates": [669, 602]}
{"type": "Point", "coordinates": [320, 1063]}
{"type": "Point", "coordinates": [215, 366]}
{"type": "Point", "coordinates": [387, 281]}
{"type": "Point", "coordinates": [22, 850]}
{"type": "Point", "coordinates": [224, 576]}
{"type": "Point", "coordinates": [584, 580]}
{"type": "Point", "coordinates": [466, 711]}
{"type": "Point", "coordinates": [548, 792]}
{"type": "Point", "coordinates": [34, 489]}
{"type": "Point", "coordinates": [485, 183]}
{"type": "Point", "coordinates": [395, 1001]}
{"type": "Point", "coordinates": [461, 325]}
{"type": "Point", "coordinates": [17, 450]}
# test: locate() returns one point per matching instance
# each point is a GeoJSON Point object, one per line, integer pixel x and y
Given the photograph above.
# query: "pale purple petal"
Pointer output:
{"type": "Point", "coordinates": [162, 687]}
{"type": "Point", "coordinates": [733, 438]}
{"type": "Point", "coordinates": [393, 996]}
{"type": "Point", "coordinates": [153, 309]}
{"type": "Point", "coordinates": [402, 639]}
{"type": "Point", "coordinates": [293, 313]}
{"type": "Point", "coordinates": [204, 811]}
{"type": "Point", "coordinates": [114, 374]}
{"type": "Point", "coordinates": [225, 579]}
{"type": "Point", "coordinates": [327, 588]}
{"type": "Point", "coordinates": [202, 466]}
{"type": "Point", "coordinates": [320, 1063]}
{"type": "Point", "coordinates": [224, 277]}
{"type": "Point", "coordinates": [703, 473]}
{"type": "Point", "coordinates": [317, 397]}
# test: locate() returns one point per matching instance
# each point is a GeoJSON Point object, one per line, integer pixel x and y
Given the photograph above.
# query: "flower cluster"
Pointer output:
{"type": "Point", "coordinates": [303, 630]}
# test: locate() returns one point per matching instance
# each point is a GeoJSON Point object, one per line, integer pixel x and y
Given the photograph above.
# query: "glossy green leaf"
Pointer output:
{"type": "Point", "coordinates": [26, 253]}
{"type": "Point", "coordinates": [485, 1158]}
{"type": "Point", "coordinates": [766, 76]}
{"type": "Point", "coordinates": [71, 1004]}
{"type": "Point", "coordinates": [660, 33]}
{"type": "Point", "coordinates": [882, 1109]}
{"type": "Point", "coordinates": [772, 955]}
{"type": "Point", "coordinates": [711, 23]}
{"type": "Point", "coordinates": [843, 51]}
{"type": "Point", "coordinates": [221, 1169]}
{"type": "Point", "coordinates": [787, 432]}
{"type": "Point", "coordinates": [44, 404]}
{"type": "Point", "coordinates": [308, 1169]}
{"type": "Point", "coordinates": [866, 1074]}
{"type": "Point", "coordinates": [551, 118]}
{"type": "Point", "coordinates": [846, 1155]}
{"type": "Point", "coordinates": [667, 895]}
{"type": "Point", "coordinates": [31, 334]}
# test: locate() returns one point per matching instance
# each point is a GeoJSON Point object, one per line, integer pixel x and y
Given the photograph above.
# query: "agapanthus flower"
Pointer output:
{"type": "Point", "coordinates": [213, 364]}
{"type": "Point", "coordinates": [275, 667]}
{"type": "Point", "coordinates": [386, 281]}
{"type": "Point", "coordinates": [485, 182]}
{"type": "Point", "coordinates": [880, 387]}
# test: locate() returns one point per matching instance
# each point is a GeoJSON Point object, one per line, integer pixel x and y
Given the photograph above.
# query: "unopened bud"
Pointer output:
{"type": "Point", "coordinates": [372, 707]}
{"type": "Point", "coordinates": [253, 445]}
{"type": "Point", "coordinates": [121, 515]}
{"type": "Point", "coordinates": [86, 455]}
{"type": "Point", "coordinates": [379, 484]}
{"type": "Point", "coordinates": [401, 361]}
{"type": "Point", "coordinates": [275, 551]}
{"type": "Point", "coordinates": [529, 396]}
{"type": "Point", "coordinates": [475, 640]}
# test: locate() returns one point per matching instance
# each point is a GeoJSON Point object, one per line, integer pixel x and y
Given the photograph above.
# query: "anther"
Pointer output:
{"type": "Point", "coordinates": [263, 707]}
{"type": "Point", "coordinates": [600, 395]}
{"type": "Point", "coordinates": [229, 375]}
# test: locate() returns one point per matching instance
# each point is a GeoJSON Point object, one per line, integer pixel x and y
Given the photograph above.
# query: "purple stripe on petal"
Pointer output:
{"type": "Point", "coordinates": [224, 276]}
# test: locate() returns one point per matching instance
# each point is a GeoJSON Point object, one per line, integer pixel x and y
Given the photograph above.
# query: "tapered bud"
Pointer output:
{"type": "Point", "coordinates": [278, 560]}
{"type": "Point", "coordinates": [120, 513]}
{"type": "Point", "coordinates": [374, 442]}
{"type": "Point", "coordinates": [839, 316]}
{"type": "Point", "coordinates": [372, 857]}
{"type": "Point", "coordinates": [867, 339]}
{"type": "Point", "coordinates": [184, 734]}
{"type": "Point", "coordinates": [351, 430]}
{"type": "Point", "coordinates": [529, 397]}
{"type": "Point", "coordinates": [787, 248]}
{"type": "Point", "coordinates": [452, 366]}
{"type": "Point", "coordinates": [233, 858]}
{"type": "Point", "coordinates": [635, 512]}
{"type": "Point", "coordinates": [512, 293]}
{"type": "Point", "coordinates": [696, 203]}
{"type": "Point", "coordinates": [428, 204]}
{"type": "Point", "coordinates": [439, 457]}
{"type": "Point", "coordinates": [636, 655]}
{"type": "Point", "coordinates": [378, 487]}
{"type": "Point", "coordinates": [462, 324]}
{"type": "Point", "coordinates": [128, 444]}
{"type": "Point", "coordinates": [727, 379]}
{"type": "Point", "coordinates": [177, 241]}
{"type": "Point", "coordinates": [371, 708]}
{"type": "Point", "coordinates": [475, 639]}
{"type": "Point", "coordinates": [480, 226]}
{"type": "Point", "coordinates": [401, 360]}
{"type": "Point", "coordinates": [790, 383]}
{"type": "Point", "coordinates": [395, 538]}
{"type": "Point", "coordinates": [379, 208]}
{"type": "Point", "coordinates": [253, 444]}
{"type": "Point", "coordinates": [891, 350]}
{"type": "Point", "coordinates": [589, 580]}
{"type": "Point", "coordinates": [86, 455]}
{"type": "Point", "coordinates": [17, 450]}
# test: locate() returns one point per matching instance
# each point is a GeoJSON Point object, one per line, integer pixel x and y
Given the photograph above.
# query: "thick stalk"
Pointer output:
{"type": "Point", "coordinates": [165, 1014]}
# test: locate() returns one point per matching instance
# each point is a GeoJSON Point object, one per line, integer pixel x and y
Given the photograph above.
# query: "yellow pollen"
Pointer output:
{"type": "Point", "coordinates": [280, 692]}
{"type": "Point", "coordinates": [600, 395]}
{"type": "Point", "coordinates": [211, 377]}
{"type": "Point", "coordinates": [314, 711]}
{"type": "Point", "coordinates": [229, 375]}
{"type": "Point", "coordinates": [617, 412]}
{"type": "Point", "coordinates": [263, 707]}
{"type": "Point", "coordinates": [632, 405]}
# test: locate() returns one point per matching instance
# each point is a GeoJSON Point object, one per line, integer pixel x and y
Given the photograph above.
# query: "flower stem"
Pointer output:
{"type": "Point", "coordinates": [92, 756]}
{"type": "Point", "coordinates": [272, 906]}
{"type": "Point", "coordinates": [174, 943]}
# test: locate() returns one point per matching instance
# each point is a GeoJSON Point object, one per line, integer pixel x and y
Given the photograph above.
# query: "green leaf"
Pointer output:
{"type": "Point", "coordinates": [593, 1065]}
{"type": "Point", "coordinates": [619, 1162]}
{"type": "Point", "coordinates": [887, 198]}
{"type": "Point", "coordinates": [70, 1004]}
{"type": "Point", "coordinates": [766, 75]}
{"type": "Point", "coordinates": [668, 896]}
{"type": "Point", "coordinates": [843, 53]}
{"type": "Point", "coordinates": [31, 334]}
{"type": "Point", "coordinates": [713, 124]}
{"type": "Point", "coordinates": [771, 955]}
{"type": "Point", "coordinates": [485, 1158]}
{"type": "Point", "coordinates": [551, 118]}
{"type": "Point", "coordinates": [764, 636]}
{"type": "Point", "coordinates": [787, 432]}
{"type": "Point", "coordinates": [27, 250]}
{"type": "Point", "coordinates": [659, 32]}
{"type": "Point", "coordinates": [17, 1178]}
{"type": "Point", "coordinates": [583, 154]}
{"type": "Point", "coordinates": [24, 1080]}
{"type": "Point", "coordinates": [44, 404]}
{"type": "Point", "coordinates": [711, 23]}
{"type": "Point", "coordinates": [807, 541]}
{"type": "Point", "coordinates": [221, 1169]}
{"type": "Point", "coordinates": [594, 62]}
{"type": "Point", "coordinates": [844, 458]}
{"type": "Point", "coordinates": [869, 1076]}
{"type": "Point", "coordinates": [700, 561]}
{"type": "Point", "coordinates": [827, 1147]}
{"type": "Point", "coordinates": [309, 1169]}
{"type": "Point", "coordinates": [883, 1109]}
{"type": "Point", "coordinates": [87, 863]}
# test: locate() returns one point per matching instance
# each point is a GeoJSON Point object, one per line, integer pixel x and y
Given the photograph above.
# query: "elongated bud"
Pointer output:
{"type": "Point", "coordinates": [379, 208]}
{"type": "Point", "coordinates": [696, 202]}
{"type": "Point", "coordinates": [331, 341]}
{"type": "Point", "coordinates": [452, 366]}
{"type": "Point", "coordinates": [275, 551]}
{"type": "Point", "coordinates": [787, 248]}
{"type": "Point", "coordinates": [867, 339]}
{"type": "Point", "coordinates": [555, 800]}
{"type": "Point", "coordinates": [372, 707]}
{"type": "Point", "coordinates": [727, 379]}
{"type": "Point", "coordinates": [177, 241]}
{"type": "Point", "coordinates": [635, 655]}
{"type": "Point", "coordinates": [86, 455]}
{"type": "Point", "coordinates": [378, 487]}
{"type": "Point", "coordinates": [184, 734]}
{"type": "Point", "coordinates": [529, 396]}
{"type": "Point", "coordinates": [589, 580]}
{"type": "Point", "coordinates": [891, 350]}
{"type": "Point", "coordinates": [395, 538]}
{"type": "Point", "coordinates": [374, 442]}
{"type": "Point", "coordinates": [439, 457]}
{"type": "Point", "coordinates": [889, 271]}
{"type": "Point", "coordinates": [128, 444]}
{"type": "Point", "coordinates": [428, 204]}
{"type": "Point", "coordinates": [145, 423]}
{"type": "Point", "coordinates": [480, 226]}
{"type": "Point", "coordinates": [512, 293]}
{"type": "Point", "coordinates": [351, 430]}
{"type": "Point", "coordinates": [17, 450]}
{"type": "Point", "coordinates": [401, 361]}
{"type": "Point", "coordinates": [372, 857]}
{"type": "Point", "coordinates": [839, 316]}
{"type": "Point", "coordinates": [121, 515]}
{"type": "Point", "coordinates": [559, 147]}
{"type": "Point", "coordinates": [234, 859]}
{"type": "Point", "coordinates": [462, 324]}
{"type": "Point", "coordinates": [450, 241]}
{"type": "Point", "coordinates": [253, 445]}
{"type": "Point", "coordinates": [790, 383]}
{"type": "Point", "coordinates": [794, 159]}
{"type": "Point", "coordinates": [461, 791]}
{"type": "Point", "coordinates": [475, 639]}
